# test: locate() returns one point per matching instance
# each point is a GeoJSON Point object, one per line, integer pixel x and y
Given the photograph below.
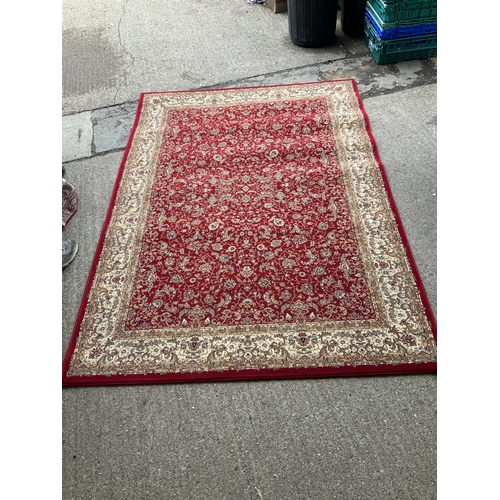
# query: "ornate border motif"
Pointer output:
{"type": "Point", "coordinates": [401, 333]}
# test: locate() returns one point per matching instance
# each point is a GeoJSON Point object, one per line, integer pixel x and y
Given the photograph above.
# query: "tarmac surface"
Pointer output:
{"type": "Point", "coordinates": [344, 438]}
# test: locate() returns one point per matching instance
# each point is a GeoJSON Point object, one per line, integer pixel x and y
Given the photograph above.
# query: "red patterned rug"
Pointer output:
{"type": "Point", "coordinates": [251, 235]}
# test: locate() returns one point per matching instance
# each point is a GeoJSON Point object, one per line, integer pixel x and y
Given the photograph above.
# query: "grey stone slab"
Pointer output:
{"type": "Point", "coordinates": [349, 439]}
{"type": "Point", "coordinates": [112, 126]}
{"type": "Point", "coordinates": [76, 136]}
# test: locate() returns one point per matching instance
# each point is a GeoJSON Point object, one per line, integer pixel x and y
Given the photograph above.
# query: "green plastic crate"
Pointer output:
{"type": "Point", "coordinates": [398, 23]}
{"type": "Point", "coordinates": [399, 49]}
{"type": "Point", "coordinates": [389, 12]}
{"type": "Point", "coordinates": [391, 3]}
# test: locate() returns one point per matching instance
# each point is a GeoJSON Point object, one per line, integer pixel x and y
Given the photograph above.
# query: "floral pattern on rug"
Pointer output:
{"type": "Point", "coordinates": [251, 230]}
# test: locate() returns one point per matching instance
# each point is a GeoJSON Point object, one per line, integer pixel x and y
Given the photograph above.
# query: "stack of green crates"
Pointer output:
{"type": "Point", "coordinates": [398, 30]}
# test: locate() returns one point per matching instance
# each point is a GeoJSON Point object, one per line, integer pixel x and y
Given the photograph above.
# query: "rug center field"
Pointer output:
{"type": "Point", "coordinates": [248, 223]}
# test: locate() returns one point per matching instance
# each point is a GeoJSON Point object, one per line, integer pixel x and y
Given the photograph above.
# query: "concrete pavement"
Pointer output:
{"type": "Point", "coordinates": [346, 438]}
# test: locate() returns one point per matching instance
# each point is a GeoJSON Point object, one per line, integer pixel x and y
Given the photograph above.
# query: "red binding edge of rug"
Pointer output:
{"type": "Point", "coordinates": [239, 375]}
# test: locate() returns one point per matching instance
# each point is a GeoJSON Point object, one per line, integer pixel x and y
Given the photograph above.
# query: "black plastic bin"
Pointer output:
{"type": "Point", "coordinates": [312, 22]}
{"type": "Point", "coordinates": [352, 17]}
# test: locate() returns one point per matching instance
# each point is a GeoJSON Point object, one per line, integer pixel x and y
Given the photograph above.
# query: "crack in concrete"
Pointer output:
{"type": "Point", "coordinates": [124, 50]}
